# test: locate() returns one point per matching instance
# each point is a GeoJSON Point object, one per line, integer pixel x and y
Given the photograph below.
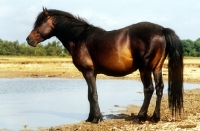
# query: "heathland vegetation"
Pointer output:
{"type": "Point", "coordinates": [55, 48]}
{"type": "Point", "coordinates": [14, 48]}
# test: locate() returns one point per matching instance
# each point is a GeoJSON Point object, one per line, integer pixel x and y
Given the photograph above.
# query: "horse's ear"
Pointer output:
{"type": "Point", "coordinates": [45, 11]}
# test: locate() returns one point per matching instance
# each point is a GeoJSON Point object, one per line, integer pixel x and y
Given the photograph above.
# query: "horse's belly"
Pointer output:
{"type": "Point", "coordinates": [117, 60]}
{"type": "Point", "coordinates": [117, 66]}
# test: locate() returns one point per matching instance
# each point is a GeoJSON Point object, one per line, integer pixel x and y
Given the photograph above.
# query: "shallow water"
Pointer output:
{"type": "Point", "coordinates": [46, 102]}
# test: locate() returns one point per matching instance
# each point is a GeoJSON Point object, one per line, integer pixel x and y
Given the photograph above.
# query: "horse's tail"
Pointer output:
{"type": "Point", "coordinates": [175, 71]}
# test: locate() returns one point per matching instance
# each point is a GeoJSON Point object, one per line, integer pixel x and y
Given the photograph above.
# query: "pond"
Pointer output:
{"type": "Point", "coordinates": [46, 102]}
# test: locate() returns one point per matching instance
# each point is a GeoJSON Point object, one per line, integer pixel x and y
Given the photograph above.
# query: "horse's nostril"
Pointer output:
{"type": "Point", "coordinates": [27, 39]}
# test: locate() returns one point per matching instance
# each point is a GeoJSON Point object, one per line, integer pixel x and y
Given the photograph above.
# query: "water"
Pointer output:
{"type": "Point", "coordinates": [46, 102]}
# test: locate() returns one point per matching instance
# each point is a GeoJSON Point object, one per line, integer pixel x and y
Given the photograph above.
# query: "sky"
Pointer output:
{"type": "Point", "coordinates": [183, 16]}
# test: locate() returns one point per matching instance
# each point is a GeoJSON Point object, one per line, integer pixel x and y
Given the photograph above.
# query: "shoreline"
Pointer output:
{"type": "Point", "coordinates": [126, 120]}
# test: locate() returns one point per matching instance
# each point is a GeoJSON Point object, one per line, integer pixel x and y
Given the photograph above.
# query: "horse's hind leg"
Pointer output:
{"type": "Point", "coordinates": [148, 91]}
{"type": "Point", "coordinates": [95, 114]}
{"type": "Point", "coordinates": [159, 85]}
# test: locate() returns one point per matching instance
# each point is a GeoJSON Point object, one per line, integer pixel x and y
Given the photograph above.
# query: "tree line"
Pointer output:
{"type": "Point", "coordinates": [55, 48]}
{"type": "Point", "coordinates": [15, 48]}
{"type": "Point", "coordinates": [191, 48]}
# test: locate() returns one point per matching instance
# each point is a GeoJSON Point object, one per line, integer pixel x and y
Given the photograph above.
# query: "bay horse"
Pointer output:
{"type": "Point", "coordinates": [143, 46]}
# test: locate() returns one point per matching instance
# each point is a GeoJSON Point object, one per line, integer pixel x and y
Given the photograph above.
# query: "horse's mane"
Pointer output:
{"type": "Point", "coordinates": [65, 23]}
{"type": "Point", "coordinates": [41, 17]}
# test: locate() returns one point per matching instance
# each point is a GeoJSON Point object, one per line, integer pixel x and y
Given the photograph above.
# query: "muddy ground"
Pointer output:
{"type": "Point", "coordinates": [126, 119]}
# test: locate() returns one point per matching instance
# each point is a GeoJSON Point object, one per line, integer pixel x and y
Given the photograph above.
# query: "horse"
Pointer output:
{"type": "Point", "coordinates": [143, 46]}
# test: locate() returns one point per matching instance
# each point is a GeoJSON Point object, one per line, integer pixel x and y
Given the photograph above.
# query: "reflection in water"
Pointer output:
{"type": "Point", "coordinates": [49, 102]}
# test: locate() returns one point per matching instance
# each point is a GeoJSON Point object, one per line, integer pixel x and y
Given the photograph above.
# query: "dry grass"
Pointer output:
{"type": "Point", "coordinates": [18, 66]}
{"type": "Point", "coordinates": [31, 59]}
{"type": "Point", "coordinates": [17, 59]}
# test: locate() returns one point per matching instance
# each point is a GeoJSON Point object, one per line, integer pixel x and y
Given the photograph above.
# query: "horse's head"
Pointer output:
{"type": "Point", "coordinates": [43, 29]}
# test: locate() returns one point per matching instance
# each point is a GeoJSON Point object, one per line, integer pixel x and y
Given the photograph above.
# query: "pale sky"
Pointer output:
{"type": "Point", "coordinates": [183, 16]}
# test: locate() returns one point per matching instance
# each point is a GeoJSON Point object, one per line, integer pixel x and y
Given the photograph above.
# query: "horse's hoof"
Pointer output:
{"type": "Point", "coordinates": [95, 120]}
{"type": "Point", "coordinates": [142, 118]}
{"type": "Point", "coordinates": [155, 118]}
{"type": "Point", "coordinates": [89, 119]}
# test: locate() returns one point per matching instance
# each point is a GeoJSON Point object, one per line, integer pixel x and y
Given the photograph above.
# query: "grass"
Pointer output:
{"type": "Point", "coordinates": [41, 59]}
{"type": "Point", "coordinates": [191, 60]}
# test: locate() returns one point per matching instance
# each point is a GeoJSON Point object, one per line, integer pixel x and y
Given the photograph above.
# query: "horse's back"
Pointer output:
{"type": "Point", "coordinates": [148, 44]}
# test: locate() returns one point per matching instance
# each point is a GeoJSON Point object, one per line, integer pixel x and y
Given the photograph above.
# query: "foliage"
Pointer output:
{"type": "Point", "coordinates": [191, 48]}
{"type": "Point", "coordinates": [55, 48]}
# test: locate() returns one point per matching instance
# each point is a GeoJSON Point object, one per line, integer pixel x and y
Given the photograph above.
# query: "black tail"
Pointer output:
{"type": "Point", "coordinates": [175, 71]}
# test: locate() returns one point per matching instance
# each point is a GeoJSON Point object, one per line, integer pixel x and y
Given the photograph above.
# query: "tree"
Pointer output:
{"type": "Point", "coordinates": [187, 47]}
{"type": "Point", "coordinates": [23, 49]}
{"type": "Point", "coordinates": [197, 47]}
{"type": "Point", "coordinates": [40, 50]}
{"type": "Point", "coordinates": [54, 48]}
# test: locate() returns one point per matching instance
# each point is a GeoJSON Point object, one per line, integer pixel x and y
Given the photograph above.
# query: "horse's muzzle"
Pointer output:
{"type": "Point", "coordinates": [31, 41]}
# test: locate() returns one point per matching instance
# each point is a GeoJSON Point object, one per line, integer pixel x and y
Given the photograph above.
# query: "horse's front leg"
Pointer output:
{"type": "Point", "coordinates": [148, 91]}
{"type": "Point", "coordinates": [95, 114]}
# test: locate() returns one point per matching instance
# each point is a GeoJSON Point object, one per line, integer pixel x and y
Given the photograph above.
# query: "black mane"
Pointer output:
{"type": "Point", "coordinates": [41, 17]}
{"type": "Point", "coordinates": [72, 26]}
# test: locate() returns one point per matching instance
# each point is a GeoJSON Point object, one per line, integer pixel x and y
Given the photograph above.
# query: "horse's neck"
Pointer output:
{"type": "Point", "coordinates": [70, 47]}
{"type": "Point", "coordinates": [69, 44]}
